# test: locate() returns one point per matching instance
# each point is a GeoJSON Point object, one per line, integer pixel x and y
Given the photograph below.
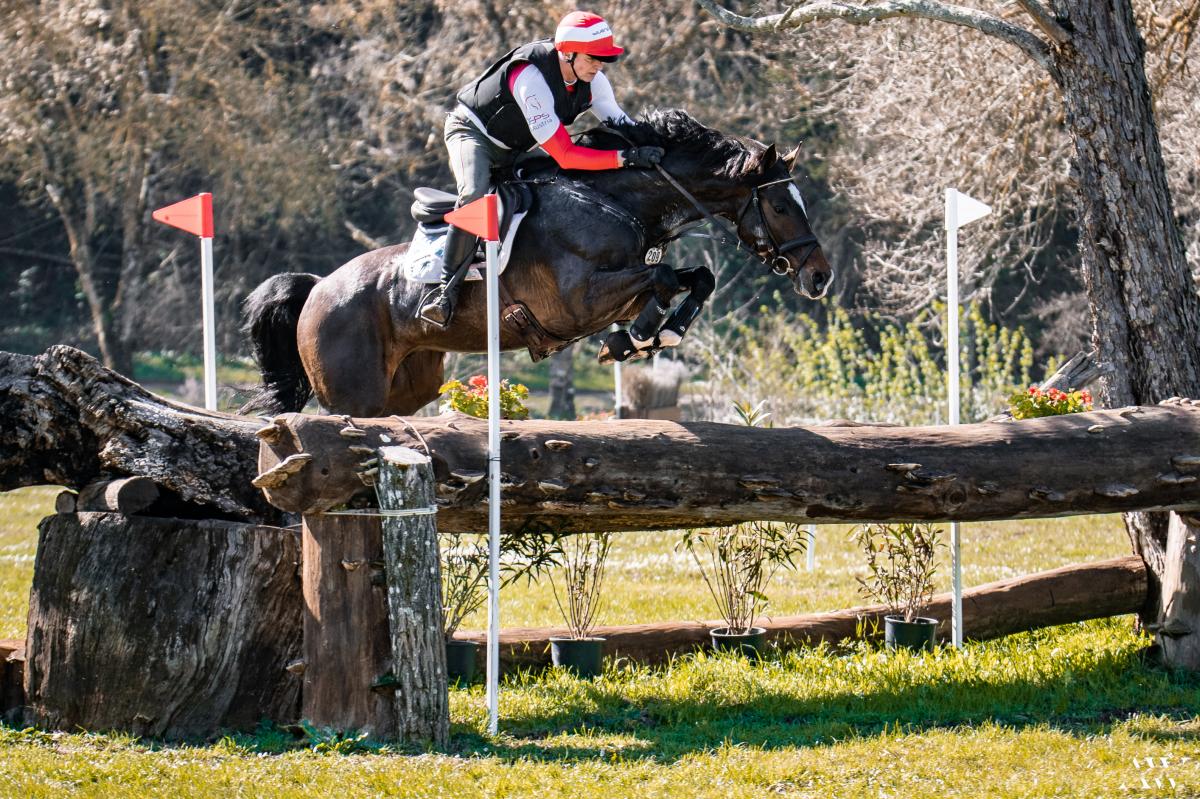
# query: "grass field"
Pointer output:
{"type": "Point", "coordinates": [1072, 711]}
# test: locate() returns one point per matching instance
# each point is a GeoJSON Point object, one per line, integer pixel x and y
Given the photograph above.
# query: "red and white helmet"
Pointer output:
{"type": "Point", "coordinates": [588, 33]}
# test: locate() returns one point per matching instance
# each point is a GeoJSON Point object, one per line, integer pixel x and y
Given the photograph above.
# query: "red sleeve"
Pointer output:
{"type": "Point", "coordinates": [570, 155]}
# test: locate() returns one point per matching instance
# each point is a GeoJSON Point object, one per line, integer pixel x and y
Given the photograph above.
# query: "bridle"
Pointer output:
{"type": "Point", "coordinates": [769, 251]}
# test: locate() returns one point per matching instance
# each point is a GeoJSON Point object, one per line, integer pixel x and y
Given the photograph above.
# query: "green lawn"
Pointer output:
{"type": "Point", "coordinates": [1073, 711]}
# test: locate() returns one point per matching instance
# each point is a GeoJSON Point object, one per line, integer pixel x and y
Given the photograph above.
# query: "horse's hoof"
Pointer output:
{"type": "Point", "coordinates": [617, 347]}
{"type": "Point", "coordinates": [669, 338]}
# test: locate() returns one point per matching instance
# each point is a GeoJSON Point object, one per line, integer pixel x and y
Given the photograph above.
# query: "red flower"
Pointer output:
{"type": "Point", "coordinates": [478, 381]}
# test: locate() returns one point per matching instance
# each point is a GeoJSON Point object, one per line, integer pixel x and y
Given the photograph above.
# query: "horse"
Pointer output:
{"type": "Point", "coordinates": [580, 262]}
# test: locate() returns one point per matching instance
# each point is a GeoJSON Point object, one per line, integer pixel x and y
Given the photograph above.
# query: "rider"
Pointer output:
{"type": "Point", "coordinates": [522, 101]}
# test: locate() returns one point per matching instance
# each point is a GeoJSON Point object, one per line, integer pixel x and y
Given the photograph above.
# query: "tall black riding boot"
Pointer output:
{"type": "Point", "coordinates": [438, 306]}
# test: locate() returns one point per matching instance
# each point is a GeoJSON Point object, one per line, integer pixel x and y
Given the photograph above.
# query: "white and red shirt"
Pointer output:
{"type": "Point", "coordinates": [536, 102]}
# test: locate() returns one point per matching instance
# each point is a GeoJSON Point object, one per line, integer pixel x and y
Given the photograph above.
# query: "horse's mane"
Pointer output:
{"type": "Point", "coordinates": [678, 132]}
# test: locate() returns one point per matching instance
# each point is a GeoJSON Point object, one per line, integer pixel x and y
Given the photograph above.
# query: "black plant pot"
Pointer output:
{"type": "Point", "coordinates": [917, 635]}
{"type": "Point", "coordinates": [460, 660]}
{"type": "Point", "coordinates": [583, 656]}
{"type": "Point", "coordinates": [752, 643]}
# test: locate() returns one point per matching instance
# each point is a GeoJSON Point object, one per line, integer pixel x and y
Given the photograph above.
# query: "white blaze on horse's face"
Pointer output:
{"type": "Point", "coordinates": [794, 190]}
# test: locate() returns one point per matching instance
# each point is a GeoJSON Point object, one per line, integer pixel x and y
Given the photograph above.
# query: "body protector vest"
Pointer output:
{"type": "Point", "coordinates": [490, 100]}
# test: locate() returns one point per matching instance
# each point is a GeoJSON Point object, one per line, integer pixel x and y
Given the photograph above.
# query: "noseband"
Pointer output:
{"type": "Point", "coordinates": [773, 249]}
{"type": "Point", "coordinates": [769, 251]}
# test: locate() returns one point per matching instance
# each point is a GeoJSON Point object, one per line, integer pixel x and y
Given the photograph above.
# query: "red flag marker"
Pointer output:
{"type": "Point", "coordinates": [195, 215]}
{"type": "Point", "coordinates": [479, 217]}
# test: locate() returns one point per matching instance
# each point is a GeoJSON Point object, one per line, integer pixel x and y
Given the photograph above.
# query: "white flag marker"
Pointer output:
{"type": "Point", "coordinates": [960, 210]}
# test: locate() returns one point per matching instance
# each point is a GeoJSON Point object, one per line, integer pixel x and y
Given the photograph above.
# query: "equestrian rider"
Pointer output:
{"type": "Point", "coordinates": [526, 100]}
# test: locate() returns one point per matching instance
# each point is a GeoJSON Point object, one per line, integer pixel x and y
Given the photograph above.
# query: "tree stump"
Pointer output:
{"type": "Point", "coordinates": [168, 628]}
{"type": "Point", "coordinates": [414, 587]}
{"type": "Point", "coordinates": [347, 652]}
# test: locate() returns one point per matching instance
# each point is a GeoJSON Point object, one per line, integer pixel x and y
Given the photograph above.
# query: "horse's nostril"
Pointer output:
{"type": "Point", "coordinates": [818, 280]}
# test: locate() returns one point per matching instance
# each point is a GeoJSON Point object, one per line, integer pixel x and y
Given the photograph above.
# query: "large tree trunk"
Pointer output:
{"type": "Point", "coordinates": [1144, 304]}
{"type": "Point", "coordinates": [162, 627]}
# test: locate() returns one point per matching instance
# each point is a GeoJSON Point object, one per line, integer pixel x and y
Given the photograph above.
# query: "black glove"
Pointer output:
{"type": "Point", "coordinates": [642, 157]}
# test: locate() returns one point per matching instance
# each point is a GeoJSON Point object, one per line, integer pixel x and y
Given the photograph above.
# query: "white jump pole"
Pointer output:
{"type": "Point", "coordinates": [810, 551]}
{"type": "Point", "coordinates": [617, 384]}
{"type": "Point", "coordinates": [960, 210]}
{"type": "Point", "coordinates": [209, 314]}
{"type": "Point", "coordinates": [480, 217]}
{"type": "Point", "coordinates": [493, 640]}
{"type": "Point", "coordinates": [195, 215]}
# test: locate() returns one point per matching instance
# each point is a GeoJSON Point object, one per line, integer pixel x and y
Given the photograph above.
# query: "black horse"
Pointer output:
{"type": "Point", "coordinates": [578, 263]}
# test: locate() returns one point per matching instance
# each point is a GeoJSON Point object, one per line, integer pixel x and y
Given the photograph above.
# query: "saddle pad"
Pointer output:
{"type": "Point", "coordinates": [422, 262]}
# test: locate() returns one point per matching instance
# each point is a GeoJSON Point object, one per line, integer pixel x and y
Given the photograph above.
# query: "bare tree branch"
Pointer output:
{"type": "Point", "coordinates": [799, 16]}
{"type": "Point", "coordinates": [1046, 21]}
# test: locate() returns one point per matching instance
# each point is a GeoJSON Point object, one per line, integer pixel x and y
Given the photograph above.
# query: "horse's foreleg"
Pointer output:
{"type": "Point", "coordinates": [641, 339]}
{"type": "Point", "coordinates": [644, 329]}
{"type": "Point", "coordinates": [700, 284]}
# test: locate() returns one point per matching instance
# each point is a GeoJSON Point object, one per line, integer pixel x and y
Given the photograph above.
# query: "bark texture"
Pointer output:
{"type": "Point", "coordinates": [347, 651]}
{"type": "Point", "coordinates": [69, 421]}
{"type": "Point", "coordinates": [641, 475]}
{"type": "Point", "coordinates": [1143, 300]}
{"type": "Point", "coordinates": [1060, 596]}
{"type": "Point", "coordinates": [414, 587]}
{"type": "Point", "coordinates": [162, 627]}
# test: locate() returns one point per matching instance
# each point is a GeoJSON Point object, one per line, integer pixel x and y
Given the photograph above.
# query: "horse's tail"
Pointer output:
{"type": "Point", "coordinates": [272, 312]}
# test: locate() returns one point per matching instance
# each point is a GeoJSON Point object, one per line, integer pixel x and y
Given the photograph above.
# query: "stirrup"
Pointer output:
{"type": "Point", "coordinates": [436, 308]}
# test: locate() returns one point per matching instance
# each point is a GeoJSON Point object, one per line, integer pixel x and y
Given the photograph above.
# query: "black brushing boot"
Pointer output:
{"type": "Point", "coordinates": [672, 332]}
{"type": "Point", "coordinates": [438, 306]}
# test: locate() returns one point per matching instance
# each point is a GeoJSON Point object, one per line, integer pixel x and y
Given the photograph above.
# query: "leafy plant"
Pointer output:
{"type": "Point", "coordinates": [860, 367]}
{"type": "Point", "coordinates": [464, 579]}
{"type": "Point", "coordinates": [582, 560]}
{"type": "Point", "coordinates": [900, 565]}
{"type": "Point", "coordinates": [738, 561]}
{"type": "Point", "coordinates": [471, 398]}
{"type": "Point", "coordinates": [1035, 403]}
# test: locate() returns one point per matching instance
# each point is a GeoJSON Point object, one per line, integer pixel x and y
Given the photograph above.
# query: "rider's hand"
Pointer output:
{"type": "Point", "coordinates": [642, 157]}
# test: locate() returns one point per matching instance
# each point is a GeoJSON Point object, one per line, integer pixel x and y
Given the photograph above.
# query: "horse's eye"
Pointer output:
{"type": "Point", "coordinates": [780, 209]}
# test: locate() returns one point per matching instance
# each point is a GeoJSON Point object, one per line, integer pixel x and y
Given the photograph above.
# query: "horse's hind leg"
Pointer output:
{"type": "Point", "coordinates": [700, 284]}
{"type": "Point", "coordinates": [416, 382]}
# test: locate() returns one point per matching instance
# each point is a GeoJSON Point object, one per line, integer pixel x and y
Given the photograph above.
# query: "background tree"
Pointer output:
{"type": "Point", "coordinates": [109, 109]}
{"type": "Point", "coordinates": [1144, 305]}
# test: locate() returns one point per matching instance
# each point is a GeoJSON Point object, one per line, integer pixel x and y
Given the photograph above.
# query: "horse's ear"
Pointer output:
{"type": "Point", "coordinates": [790, 158]}
{"type": "Point", "coordinates": [768, 158]}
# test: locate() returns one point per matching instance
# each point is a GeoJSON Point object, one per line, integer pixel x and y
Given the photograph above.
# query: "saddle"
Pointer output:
{"type": "Point", "coordinates": [430, 206]}
{"type": "Point", "coordinates": [429, 209]}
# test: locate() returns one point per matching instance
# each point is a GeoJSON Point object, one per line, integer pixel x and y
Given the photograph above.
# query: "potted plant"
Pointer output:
{"type": "Point", "coordinates": [464, 578]}
{"type": "Point", "coordinates": [581, 559]}
{"type": "Point", "coordinates": [900, 570]}
{"type": "Point", "coordinates": [737, 562]}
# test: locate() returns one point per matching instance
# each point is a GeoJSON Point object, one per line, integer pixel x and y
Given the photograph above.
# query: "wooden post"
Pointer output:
{"type": "Point", "coordinates": [346, 645]}
{"type": "Point", "coordinates": [410, 549]}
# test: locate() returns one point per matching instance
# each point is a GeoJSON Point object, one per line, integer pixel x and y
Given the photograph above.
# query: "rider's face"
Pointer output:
{"type": "Point", "coordinates": [586, 67]}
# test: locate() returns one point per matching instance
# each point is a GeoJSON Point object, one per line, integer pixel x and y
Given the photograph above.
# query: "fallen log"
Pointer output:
{"type": "Point", "coordinates": [68, 421]}
{"type": "Point", "coordinates": [643, 475]}
{"type": "Point", "coordinates": [1059, 596]}
{"type": "Point", "coordinates": [71, 422]}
